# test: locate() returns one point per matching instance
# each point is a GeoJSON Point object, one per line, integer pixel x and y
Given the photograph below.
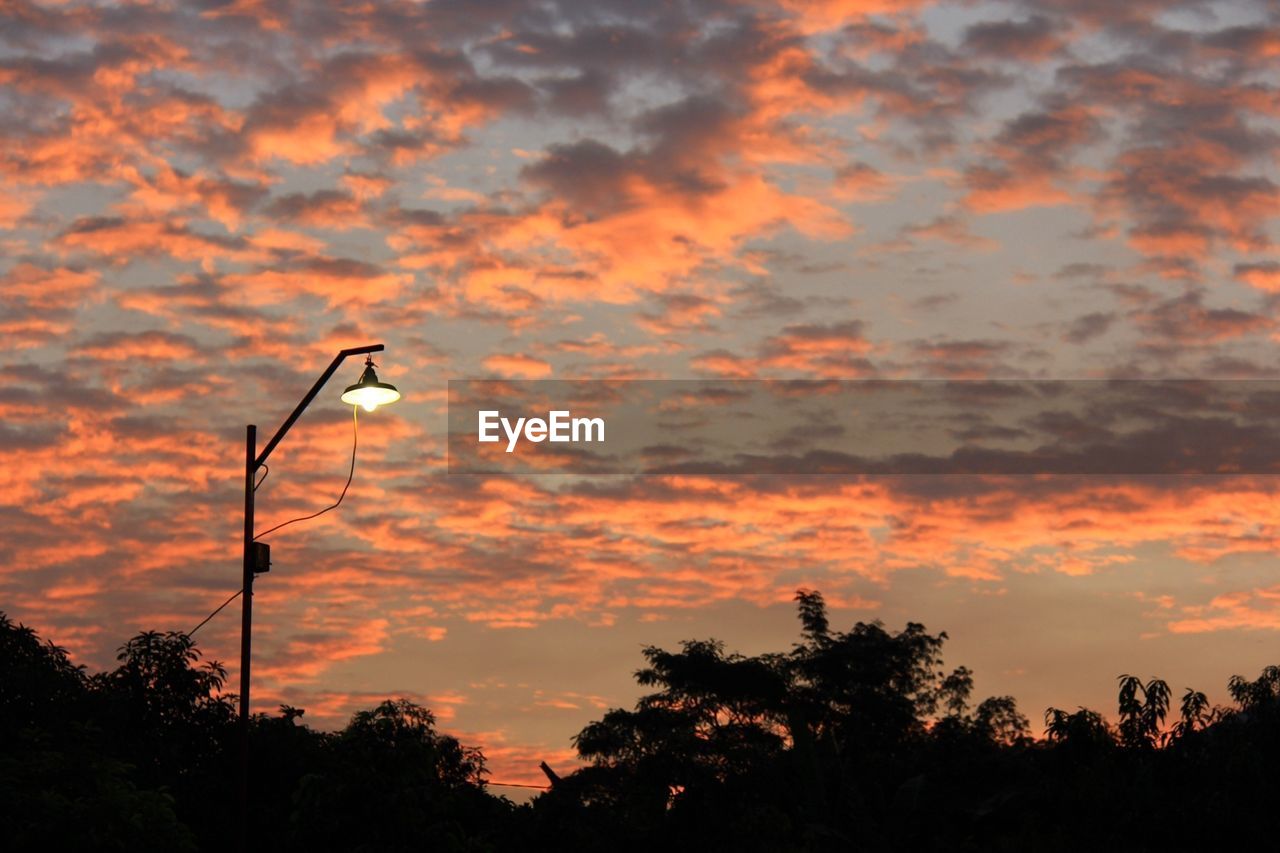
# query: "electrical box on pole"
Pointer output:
{"type": "Point", "coordinates": [261, 557]}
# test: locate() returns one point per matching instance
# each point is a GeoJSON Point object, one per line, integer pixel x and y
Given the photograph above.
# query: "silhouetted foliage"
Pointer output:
{"type": "Point", "coordinates": [1194, 714]}
{"type": "Point", "coordinates": [1261, 695]}
{"type": "Point", "coordinates": [1143, 708]}
{"type": "Point", "coordinates": [62, 785]}
{"type": "Point", "coordinates": [40, 685]}
{"type": "Point", "coordinates": [851, 740]}
{"type": "Point", "coordinates": [143, 757]}
{"type": "Point", "coordinates": [862, 740]}
{"type": "Point", "coordinates": [389, 781]}
{"type": "Point", "coordinates": [814, 748]}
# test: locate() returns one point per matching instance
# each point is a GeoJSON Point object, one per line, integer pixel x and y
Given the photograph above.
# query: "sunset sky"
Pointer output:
{"type": "Point", "coordinates": [204, 201]}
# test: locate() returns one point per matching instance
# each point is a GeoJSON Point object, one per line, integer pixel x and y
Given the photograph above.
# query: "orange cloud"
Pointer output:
{"type": "Point", "coordinates": [1257, 609]}
{"type": "Point", "coordinates": [517, 365]}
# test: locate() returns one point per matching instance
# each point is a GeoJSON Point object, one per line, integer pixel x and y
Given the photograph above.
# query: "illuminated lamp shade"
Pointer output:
{"type": "Point", "coordinates": [369, 393]}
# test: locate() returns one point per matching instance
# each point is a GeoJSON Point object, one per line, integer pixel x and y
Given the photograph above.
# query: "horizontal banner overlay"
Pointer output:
{"type": "Point", "coordinates": [892, 427]}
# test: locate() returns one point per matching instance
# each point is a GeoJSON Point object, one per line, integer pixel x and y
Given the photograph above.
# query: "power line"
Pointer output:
{"type": "Point", "coordinates": [215, 612]}
{"type": "Point", "coordinates": [355, 434]}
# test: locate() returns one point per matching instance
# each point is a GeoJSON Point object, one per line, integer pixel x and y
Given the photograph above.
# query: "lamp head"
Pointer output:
{"type": "Point", "coordinates": [369, 393]}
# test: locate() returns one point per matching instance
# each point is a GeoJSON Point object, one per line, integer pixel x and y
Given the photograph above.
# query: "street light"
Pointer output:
{"type": "Point", "coordinates": [368, 393]}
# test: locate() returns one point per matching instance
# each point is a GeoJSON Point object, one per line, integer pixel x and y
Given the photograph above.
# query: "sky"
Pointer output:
{"type": "Point", "coordinates": [204, 201]}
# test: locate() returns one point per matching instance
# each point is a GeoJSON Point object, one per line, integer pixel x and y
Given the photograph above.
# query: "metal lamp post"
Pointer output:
{"type": "Point", "coordinates": [368, 393]}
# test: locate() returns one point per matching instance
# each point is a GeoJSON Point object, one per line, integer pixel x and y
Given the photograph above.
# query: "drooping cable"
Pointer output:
{"type": "Point", "coordinates": [350, 475]}
{"type": "Point", "coordinates": [192, 632]}
{"type": "Point", "coordinates": [355, 433]}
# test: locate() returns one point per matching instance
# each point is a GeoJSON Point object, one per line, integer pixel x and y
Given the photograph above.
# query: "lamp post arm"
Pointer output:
{"type": "Point", "coordinates": [311, 395]}
{"type": "Point", "coordinates": [251, 465]}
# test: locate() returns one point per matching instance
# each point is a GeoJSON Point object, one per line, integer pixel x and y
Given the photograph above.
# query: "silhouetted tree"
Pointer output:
{"type": "Point", "coordinates": [1194, 714]}
{"type": "Point", "coordinates": [850, 740]}
{"type": "Point", "coordinates": [775, 752]}
{"type": "Point", "coordinates": [1143, 708]}
{"type": "Point", "coordinates": [998, 720]}
{"type": "Point", "coordinates": [61, 786]}
{"type": "Point", "coordinates": [1082, 730]}
{"type": "Point", "coordinates": [389, 781]}
{"type": "Point", "coordinates": [39, 685]}
{"type": "Point", "coordinates": [1260, 695]}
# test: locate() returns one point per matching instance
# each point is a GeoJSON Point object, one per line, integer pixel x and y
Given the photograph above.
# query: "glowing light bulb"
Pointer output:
{"type": "Point", "coordinates": [369, 393]}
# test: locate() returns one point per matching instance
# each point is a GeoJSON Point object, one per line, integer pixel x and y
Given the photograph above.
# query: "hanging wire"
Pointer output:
{"type": "Point", "coordinates": [355, 432]}
{"type": "Point", "coordinates": [351, 474]}
{"type": "Point", "coordinates": [192, 632]}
